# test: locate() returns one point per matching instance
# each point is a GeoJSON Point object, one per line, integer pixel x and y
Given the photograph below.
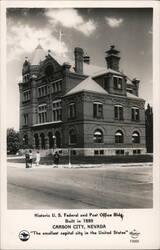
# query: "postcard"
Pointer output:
{"type": "Point", "coordinates": [80, 125]}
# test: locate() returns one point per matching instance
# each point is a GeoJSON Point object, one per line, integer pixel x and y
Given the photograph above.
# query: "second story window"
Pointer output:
{"type": "Point", "coordinates": [135, 114]}
{"type": "Point", "coordinates": [117, 83]}
{"type": "Point", "coordinates": [72, 111]}
{"type": "Point", "coordinates": [26, 95]}
{"type": "Point", "coordinates": [57, 110]}
{"type": "Point", "coordinates": [42, 113]}
{"type": "Point", "coordinates": [118, 112]}
{"type": "Point", "coordinates": [25, 119]}
{"type": "Point", "coordinates": [42, 91]}
{"type": "Point", "coordinates": [97, 110]}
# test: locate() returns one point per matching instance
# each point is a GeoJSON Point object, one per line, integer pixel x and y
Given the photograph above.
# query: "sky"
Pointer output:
{"type": "Point", "coordinates": [93, 29]}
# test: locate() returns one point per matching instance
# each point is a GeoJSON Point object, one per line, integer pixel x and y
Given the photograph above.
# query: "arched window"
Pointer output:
{"type": "Point", "coordinates": [135, 137]}
{"type": "Point", "coordinates": [98, 136]}
{"type": "Point", "coordinates": [119, 137]}
{"type": "Point", "coordinates": [72, 137]}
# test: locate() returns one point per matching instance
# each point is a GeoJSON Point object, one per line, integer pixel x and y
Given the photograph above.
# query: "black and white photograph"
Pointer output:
{"type": "Point", "coordinates": [80, 87]}
{"type": "Point", "coordinates": [80, 125]}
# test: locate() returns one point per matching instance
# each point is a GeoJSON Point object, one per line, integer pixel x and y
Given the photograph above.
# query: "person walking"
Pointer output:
{"type": "Point", "coordinates": [38, 157]}
{"type": "Point", "coordinates": [56, 158]}
{"type": "Point", "coordinates": [30, 158]}
{"type": "Point", "coordinates": [27, 159]}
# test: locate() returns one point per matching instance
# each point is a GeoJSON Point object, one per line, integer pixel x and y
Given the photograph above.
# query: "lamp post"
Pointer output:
{"type": "Point", "coordinates": [53, 137]}
{"type": "Point", "coordinates": [69, 158]}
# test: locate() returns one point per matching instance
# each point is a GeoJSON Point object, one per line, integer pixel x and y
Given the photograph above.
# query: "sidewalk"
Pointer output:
{"type": "Point", "coordinates": [22, 165]}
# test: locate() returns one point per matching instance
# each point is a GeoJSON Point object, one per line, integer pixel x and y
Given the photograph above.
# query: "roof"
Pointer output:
{"type": "Point", "coordinates": [90, 69]}
{"type": "Point", "coordinates": [134, 96]}
{"type": "Point", "coordinates": [38, 55]}
{"type": "Point", "coordinates": [87, 85]}
{"type": "Point", "coordinates": [105, 71]}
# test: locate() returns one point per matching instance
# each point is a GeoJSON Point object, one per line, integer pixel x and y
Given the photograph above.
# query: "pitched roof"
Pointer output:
{"type": "Point", "coordinates": [134, 96]}
{"type": "Point", "coordinates": [87, 85]}
{"type": "Point", "coordinates": [90, 69]}
{"type": "Point", "coordinates": [105, 71]}
{"type": "Point", "coordinates": [38, 55]}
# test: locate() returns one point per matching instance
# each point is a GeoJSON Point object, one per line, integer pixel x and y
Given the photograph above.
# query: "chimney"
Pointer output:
{"type": "Point", "coordinates": [86, 58]}
{"type": "Point", "coordinates": [136, 85]}
{"type": "Point", "coordinates": [78, 52]}
{"type": "Point", "coordinates": [113, 58]}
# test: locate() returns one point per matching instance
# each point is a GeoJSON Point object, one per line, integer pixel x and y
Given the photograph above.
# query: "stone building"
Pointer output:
{"type": "Point", "coordinates": [91, 110]}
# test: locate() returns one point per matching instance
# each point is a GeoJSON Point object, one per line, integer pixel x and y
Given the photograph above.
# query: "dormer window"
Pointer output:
{"type": "Point", "coordinates": [117, 83]}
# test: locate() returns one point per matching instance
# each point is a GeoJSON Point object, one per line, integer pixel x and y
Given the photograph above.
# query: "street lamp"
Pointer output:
{"type": "Point", "coordinates": [53, 137]}
{"type": "Point", "coordinates": [69, 160]}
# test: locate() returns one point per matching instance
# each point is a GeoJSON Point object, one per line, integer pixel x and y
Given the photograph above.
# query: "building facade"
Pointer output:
{"type": "Point", "coordinates": [89, 109]}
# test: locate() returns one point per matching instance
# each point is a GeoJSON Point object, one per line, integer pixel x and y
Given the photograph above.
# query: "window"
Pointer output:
{"type": "Point", "coordinates": [120, 152]}
{"type": "Point", "coordinates": [135, 114]}
{"type": "Point", "coordinates": [98, 136]}
{"type": "Point", "coordinates": [118, 112]}
{"type": "Point", "coordinates": [42, 91]}
{"type": "Point", "coordinates": [57, 110]}
{"type": "Point", "coordinates": [72, 137]}
{"type": "Point", "coordinates": [42, 113]}
{"type": "Point", "coordinates": [72, 111]}
{"type": "Point", "coordinates": [97, 110]}
{"type": "Point", "coordinates": [136, 151]}
{"type": "Point", "coordinates": [25, 119]}
{"type": "Point", "coordinates": [135, 137]}
{"type": "Point", "coordinates": [57, 86]}
{"type": "Point", "coordinates": [73, 152]}
{"type": "Point", "coordinates": [26, 95]}
{"type": "Point", "coordinates": [117, 83]}
{"type": "Point", "coordinates": [119, 137]}
{"type": "Point", "coordinates": [99, 152]}
{"type": "Point", "coordinates": [26, 78]}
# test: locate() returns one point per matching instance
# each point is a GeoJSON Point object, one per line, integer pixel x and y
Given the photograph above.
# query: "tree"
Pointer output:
{"type": "Point", "coordinates": [13, 141]}
{"type": "Point", "coordinates": [149, 128]}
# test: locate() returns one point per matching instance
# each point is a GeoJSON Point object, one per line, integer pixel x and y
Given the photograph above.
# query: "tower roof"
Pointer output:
{"type": "Point", "coordinates": [87, 85]}
{"type": "Point", "coordinates": [38, 55]}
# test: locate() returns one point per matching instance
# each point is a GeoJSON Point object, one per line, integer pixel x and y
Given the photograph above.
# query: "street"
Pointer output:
{"type": "Point", "coordinates": [106, 186]}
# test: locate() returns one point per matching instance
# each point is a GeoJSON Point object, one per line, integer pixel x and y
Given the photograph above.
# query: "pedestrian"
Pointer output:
{"type": "Point", "coordinates": [30, 158]}
{"type": "Point", "coordinates": [56, 158]}
{"type": "Point", "coordinates": [38, 157]}
{"type": "Point", "coordinates": [27, 159]}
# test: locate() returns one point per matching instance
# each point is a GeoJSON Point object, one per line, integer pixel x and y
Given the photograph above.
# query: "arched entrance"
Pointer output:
{"type": "Point", "coordinates": [58, 139]}
{"type": "Point", "coordinates": [50, 137]}
{"type": "Point", "coordinates": [25, 139]}
{"type": "Point", "coordinates": [36, 141]}
{"type": "Point", "coordinates": [42, 141]}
